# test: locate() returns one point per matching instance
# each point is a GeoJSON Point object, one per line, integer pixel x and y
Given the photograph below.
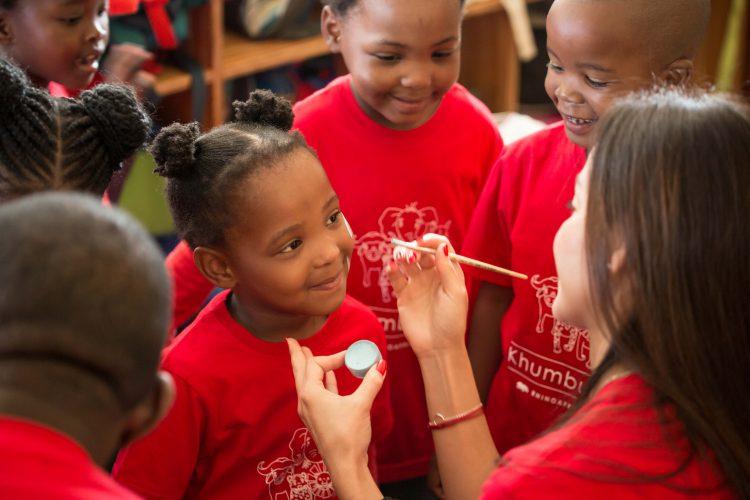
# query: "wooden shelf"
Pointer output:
{"type": "Point", "coordinates": [173, 81]}
{"type": "Point", "coordinates": [482, 7]}
{"type": "Point", "coordinates": [243, 56]}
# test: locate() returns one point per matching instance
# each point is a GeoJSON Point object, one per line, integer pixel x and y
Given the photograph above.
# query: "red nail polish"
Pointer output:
{"type": "Point", "coordinates": [445, 250]}
{"type": "Point", "coordinates": [382, 367]}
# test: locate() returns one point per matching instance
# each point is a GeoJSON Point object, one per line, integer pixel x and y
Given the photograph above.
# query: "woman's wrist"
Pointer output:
{"type": "Point", "coordinates": [449, 382]}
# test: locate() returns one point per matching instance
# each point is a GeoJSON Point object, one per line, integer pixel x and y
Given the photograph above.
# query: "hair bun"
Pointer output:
{"type": "Point", "coordinates": [174, 149]}
{"type": "Point", "coordinates": [121, 122]}
{"type": "Point", "coordinates": [13, 86]}
{"type": "Point", "coordinates": [263, 107]}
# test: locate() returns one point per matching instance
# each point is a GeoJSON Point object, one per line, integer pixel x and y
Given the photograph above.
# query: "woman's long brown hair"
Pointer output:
{"type": "Point", "coordinates": [670, 182]}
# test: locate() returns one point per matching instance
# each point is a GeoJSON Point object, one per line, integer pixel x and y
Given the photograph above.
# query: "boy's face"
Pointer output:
{"type": "Point", "coordinates": [290, 248]}
{"type": "Point", "coordinates": [594, 58]}
{"type": "Point", "coordinates": [56, 40]}
{"type": "Point", "coordinates": [403, 57]}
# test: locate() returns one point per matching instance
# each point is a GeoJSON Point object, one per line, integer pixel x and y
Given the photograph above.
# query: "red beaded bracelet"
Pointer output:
{"type": "Point", "coordinates": [441, 421]}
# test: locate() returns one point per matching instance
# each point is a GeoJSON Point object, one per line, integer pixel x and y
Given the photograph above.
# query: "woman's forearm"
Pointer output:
{"type": "Point", "coordinates": [352, 480]}
{"type": "Point", "coordinates": [465, 451]}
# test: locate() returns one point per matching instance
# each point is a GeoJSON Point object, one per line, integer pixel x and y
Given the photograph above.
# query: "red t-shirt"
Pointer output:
{"type": "Point", "coordinates": [190, 287]}
{"type": "Point", "coordinates": [58, 90]}
{"type": "Point", "coordinates": [233, 431]}
{"type": "Point", "coordinates": [609, 449]}
{"type": "Point", "coordinates": [400, 184]}
{"type": "Point", "coordinates": [545, 362]}
{"type": "Point", "coordinates": [39, 462]}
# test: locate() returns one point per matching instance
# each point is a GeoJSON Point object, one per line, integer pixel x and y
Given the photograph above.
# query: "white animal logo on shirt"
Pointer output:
{"type": "Point", "coordinates": [564, 337]}
{"type": "Point", "coordinates": [373, 248]}
{"type": "Point", "coordinates": [301, 476]}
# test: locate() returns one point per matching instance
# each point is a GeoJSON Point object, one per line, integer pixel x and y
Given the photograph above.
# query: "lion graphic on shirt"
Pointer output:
{"type": "Point", "coordinates": [565, 338]}
{"type": "Point", "coordinates": [373, 248]}
{"type": "Point", "coordinates": [301, 476]}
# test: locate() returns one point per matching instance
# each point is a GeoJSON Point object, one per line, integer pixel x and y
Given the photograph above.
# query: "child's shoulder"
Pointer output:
{"type": "Point", "coordinates": [459, 100]}
{"type": "Point", "coordinates": [351, 308]}
{"type": "Point", "coordinates": [545, 148]}
{"type": "Point", "coordinates": [207, 336]}
{"type": "Point", "coordinates": [323, 99]}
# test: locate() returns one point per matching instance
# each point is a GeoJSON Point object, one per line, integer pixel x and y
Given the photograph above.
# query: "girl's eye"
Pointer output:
{"type": "Point", "coordinates": [554, 67]}
{"type": "Point", "coordinates": [443, 54]}
{"type": "Point", "coordinates": [334, 217]}
{"type": "Point", "coordinates": [390, 58]}
{"type": "Point", "coordinates": [596, 83]}
{"type": "Point", "coordinates": [294, 245]}
{"type": "Point", "coordinates": [71, 21]}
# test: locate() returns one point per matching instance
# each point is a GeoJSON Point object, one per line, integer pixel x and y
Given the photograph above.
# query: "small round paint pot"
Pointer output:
{"type": "Point", "coordinates": [361, 356]}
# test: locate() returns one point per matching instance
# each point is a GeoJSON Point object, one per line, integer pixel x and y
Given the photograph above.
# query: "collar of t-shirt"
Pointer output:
{"type": "Point", "coordinates": [436, 122]}
{"type": "Point", "coordinates": [317, 342]}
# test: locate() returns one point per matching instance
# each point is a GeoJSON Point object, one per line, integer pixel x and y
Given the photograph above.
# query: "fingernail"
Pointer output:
{"type": "Point", "coordinates": [445, 250]}
{"type": "Point", "coordinates": [382, 367]}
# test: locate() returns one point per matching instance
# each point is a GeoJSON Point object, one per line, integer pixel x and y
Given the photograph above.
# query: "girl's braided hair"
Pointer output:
{"type": "Point", "coordinates": [59, 143]}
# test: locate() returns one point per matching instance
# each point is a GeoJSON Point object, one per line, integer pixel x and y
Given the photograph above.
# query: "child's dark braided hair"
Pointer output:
{"type": "Point", "coordinates": [57, 143]}
{"type": "Point", "coordinates": [205, 171]}
{"type": "Point", "coordinates": [341, 7]}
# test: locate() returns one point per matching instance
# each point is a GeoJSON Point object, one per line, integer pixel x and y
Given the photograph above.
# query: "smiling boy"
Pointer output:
{"type": "Point", "coordinates": [529, 366]}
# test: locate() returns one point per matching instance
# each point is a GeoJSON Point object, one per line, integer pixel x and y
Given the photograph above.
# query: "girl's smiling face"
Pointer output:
{"type": "Point", "coordinates": [56, 40]}
{"type": "Point", "coordinates": [289, 248]}
{"type": "Point", "coordinates": [403, 56]}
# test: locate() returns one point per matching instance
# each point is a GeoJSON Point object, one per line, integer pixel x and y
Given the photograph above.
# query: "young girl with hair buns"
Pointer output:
{"type": "Point", "coordinates": [257, 209]}
{"type": "Point", "coordinates": [49, 143]}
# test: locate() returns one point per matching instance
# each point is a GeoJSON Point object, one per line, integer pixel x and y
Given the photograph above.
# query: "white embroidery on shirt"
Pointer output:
{"type": "Point", "coordinates": [565, 337]}
{"type": "Point", "coordinates": [302, 476]}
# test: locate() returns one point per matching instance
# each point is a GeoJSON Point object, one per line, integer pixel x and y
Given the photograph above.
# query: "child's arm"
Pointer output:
{"type": "Point", "coordinates": [190, 287]}
{"type": "Point", "coordinates": [161, 464]}
{"type": "Point", "coordinates": [487, 240]}
{"type": "Point", "coordinates": [485, 343]}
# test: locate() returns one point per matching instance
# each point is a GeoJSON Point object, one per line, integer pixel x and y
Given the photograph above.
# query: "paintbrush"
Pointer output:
{"type": "Point", "coordinates": [460, 259]}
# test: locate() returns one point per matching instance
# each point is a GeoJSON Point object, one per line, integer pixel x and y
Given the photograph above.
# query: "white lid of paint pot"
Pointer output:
{"type": "Point", "coordinates": [361, 356]}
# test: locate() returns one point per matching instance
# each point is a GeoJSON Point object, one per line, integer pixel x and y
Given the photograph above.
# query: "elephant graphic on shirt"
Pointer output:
{"type": "Point", "coordinates": [565, 338]}
{"type": "Point", "coordinates": [374, 247]}
{"type": "Point", "coordinates": [300, 476]}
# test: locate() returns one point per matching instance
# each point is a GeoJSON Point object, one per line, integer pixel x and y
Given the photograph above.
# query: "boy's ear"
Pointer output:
{"type": "Point", "coordinates": [678, 73]}
{"type": "Point", "coordinates": [147, 415]}
{"type": "Point", "coordinates": [213, 264]}
{"type": "Point", "coordinates": [6, 32]}
{"type": "Point", "coordinates": [330, 27]}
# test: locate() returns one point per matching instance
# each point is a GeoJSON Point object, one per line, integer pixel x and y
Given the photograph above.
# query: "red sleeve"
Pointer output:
{"type": "Point", "coordinates": [161, 465]}
{"type": "Point", "coordinates": [190, 287]}
{"type": "Point", "coordinates": [488, 239]}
